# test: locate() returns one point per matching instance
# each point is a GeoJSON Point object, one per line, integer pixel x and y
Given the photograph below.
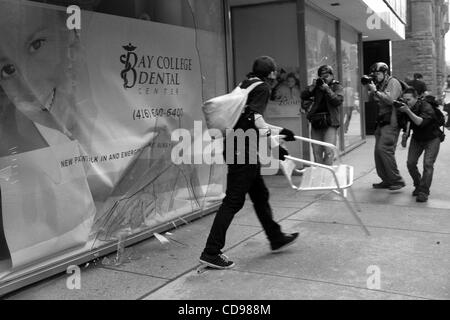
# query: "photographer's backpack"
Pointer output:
{"type": "Point", "coordinates": [440, 118]}
{"type": "Point", "coordinates": [223, 112]}
{"type": "Point", "coordinates": [402, 83]}
{"type": "Point", "coordinates": [402, 118]}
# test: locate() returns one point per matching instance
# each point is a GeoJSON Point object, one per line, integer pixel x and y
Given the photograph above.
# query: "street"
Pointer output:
{"type": "Point", "coordinates": [407, 255]}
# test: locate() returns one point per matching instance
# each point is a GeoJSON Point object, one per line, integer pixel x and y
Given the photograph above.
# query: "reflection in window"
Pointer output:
{"type": "Point", "coordinates": [351, 84]}
{"type": "Point", "coordinates": [208, 14]}
{"type": "Point", "coordinates": [206, 17]}
{"type": "Point", "coordinates": [320, 43]}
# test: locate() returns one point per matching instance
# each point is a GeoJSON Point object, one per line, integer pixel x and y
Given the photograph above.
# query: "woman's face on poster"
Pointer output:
{"type": "Point", "coordinates": [291, 82]}
{"type": "Point", "coordinates": [33, 57]}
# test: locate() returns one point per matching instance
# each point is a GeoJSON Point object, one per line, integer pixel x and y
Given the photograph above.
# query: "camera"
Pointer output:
{"type": "Point", "coordinates": [365, 79]}
{"type": "Point", "coordinates": [398, 103]}
{"type": "Point", "coordinates": [319, 82]}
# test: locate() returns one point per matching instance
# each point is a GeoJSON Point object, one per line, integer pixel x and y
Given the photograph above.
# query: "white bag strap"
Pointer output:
{"type": "Point", "coordinates": [253, 86]}
{"type": "Point", "coordinates": [249, 89]}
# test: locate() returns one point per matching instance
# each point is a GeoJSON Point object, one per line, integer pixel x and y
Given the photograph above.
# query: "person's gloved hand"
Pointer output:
{"type": "Point", "coordinates": [404, 139]}
{"type": "Point", "coordinates": [282, 153]}
{"type": "Point", "coordinates": [288, 133]}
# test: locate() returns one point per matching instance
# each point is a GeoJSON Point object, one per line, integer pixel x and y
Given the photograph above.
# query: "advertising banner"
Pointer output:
{"type": "Point", "coordinates": [285, 101]}
{"type": "Point", "coordinates": [86, 117]}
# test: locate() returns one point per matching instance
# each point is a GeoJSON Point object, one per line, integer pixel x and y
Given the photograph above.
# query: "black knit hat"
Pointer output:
{"type": "Point", "coordinates": [263, 66]}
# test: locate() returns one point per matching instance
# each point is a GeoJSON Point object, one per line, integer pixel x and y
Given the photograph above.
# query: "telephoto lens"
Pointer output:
{"type": "Point", "coordinates": [366, 80]}
{"type": "Point", "coordinates": [398, 104]}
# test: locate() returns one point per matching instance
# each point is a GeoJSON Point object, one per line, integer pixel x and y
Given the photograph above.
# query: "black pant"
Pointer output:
{"type": "Point", "coordinates": [242, 178]}
{"type": "Point", "coordinates": [386, 138]}
{"type": "Point", "coordinates": [416, 148]}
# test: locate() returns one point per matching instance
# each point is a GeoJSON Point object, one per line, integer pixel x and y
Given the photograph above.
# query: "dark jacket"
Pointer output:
{"type": "Point", "coordinates": [428, 129]}
{"type": "Point", "coordinates": [259, 97]}
{"type": "Point", "coordinates": [332, 98]}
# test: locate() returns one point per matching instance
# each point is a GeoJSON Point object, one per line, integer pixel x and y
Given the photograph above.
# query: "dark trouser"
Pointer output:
{"type": "Point", "coordinates": [242, 178]}
{"type": "Point", "coordinates": [416, 148]}
{"type": "Point", "coordinates": [386, 138]}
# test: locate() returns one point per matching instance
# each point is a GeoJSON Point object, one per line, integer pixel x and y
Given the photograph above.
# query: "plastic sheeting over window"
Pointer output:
{"type": "Point", "coordinates": [86, 118]}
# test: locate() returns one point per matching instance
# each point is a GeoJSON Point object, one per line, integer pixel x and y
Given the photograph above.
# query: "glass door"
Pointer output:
{"type": "Point", "coordinates": [351, 111]}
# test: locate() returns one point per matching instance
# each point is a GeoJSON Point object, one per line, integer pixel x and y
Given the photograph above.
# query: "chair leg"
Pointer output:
{"type": "Point", "coordinates": [355, 214]}
{"type": "Point", "coordinates": [358, 208]}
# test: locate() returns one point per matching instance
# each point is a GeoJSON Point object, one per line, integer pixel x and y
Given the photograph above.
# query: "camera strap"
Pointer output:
{"type": "Point", "coordinates": [384, 84]}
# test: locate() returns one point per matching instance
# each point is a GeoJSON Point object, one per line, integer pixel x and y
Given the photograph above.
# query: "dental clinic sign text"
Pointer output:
{"type": "Point", "coordinates": [150, 69]}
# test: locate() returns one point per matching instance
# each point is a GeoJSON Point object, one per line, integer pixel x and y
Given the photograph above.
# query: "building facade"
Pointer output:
{"type": "Point", "coordinates": [139, 61]}
{"type": "Point", "coordinates": [302, 35]}
{"type": "Point", "coordinates": [423, 50]}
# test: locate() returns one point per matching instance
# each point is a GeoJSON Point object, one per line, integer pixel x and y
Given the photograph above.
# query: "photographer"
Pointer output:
{"type": "Point", "coordinates": [425, 138]}
{"type": "Point", "coordinates": [328, 96]}
{"type": "Point", "coordinates": [419, 85]}
{"type": "Point", "coordinates": [383, 90]}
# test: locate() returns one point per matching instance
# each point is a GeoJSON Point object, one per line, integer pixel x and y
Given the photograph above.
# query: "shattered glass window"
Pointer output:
{"type": "Point", "coordinates": [87, 117]}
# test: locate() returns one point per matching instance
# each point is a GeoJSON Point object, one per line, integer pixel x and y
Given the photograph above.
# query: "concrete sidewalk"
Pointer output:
{"type": "Point", "coordinates": [409, 245]}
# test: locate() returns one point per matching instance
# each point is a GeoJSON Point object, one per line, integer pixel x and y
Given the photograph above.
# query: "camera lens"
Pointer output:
{"type": "Point", "coordinates": [366, 80]}
{"type": "Point", "coordinates": [398, 104]}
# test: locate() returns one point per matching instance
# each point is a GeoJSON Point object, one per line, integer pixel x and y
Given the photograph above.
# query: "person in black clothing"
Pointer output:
{"type": "Point", "coordinates": [425, 138]}
{"type": "Point", "coordinates": [243, 178]}
{"type": "Point", "coordinates": [418, 84]}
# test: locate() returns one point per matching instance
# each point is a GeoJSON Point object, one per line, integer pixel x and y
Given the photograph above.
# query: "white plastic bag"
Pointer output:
{"type": "Point", "coordinates": [223, 112]}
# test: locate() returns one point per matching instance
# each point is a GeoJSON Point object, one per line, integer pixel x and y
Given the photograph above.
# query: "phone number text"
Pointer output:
{"type": "Point", "coordinates": [150, 113]}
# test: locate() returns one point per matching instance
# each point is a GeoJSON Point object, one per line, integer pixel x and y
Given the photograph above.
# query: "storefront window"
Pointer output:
{"type": "Point", "coordinates": [206, 17]}
{"type": "Point", "coordinates": [320, 45]}
{"type": "Point", "coordinates": [87, 116]}
{"type": "Point", "coordinates": [320, 42]}
{"type": "Point", "coordinates": [278, 39]}
{"type": "Point", "coordinates": [351, 84]}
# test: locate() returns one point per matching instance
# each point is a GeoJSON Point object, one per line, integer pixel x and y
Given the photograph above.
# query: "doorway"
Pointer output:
{"type": "Point", "coordinates": [271, 29]}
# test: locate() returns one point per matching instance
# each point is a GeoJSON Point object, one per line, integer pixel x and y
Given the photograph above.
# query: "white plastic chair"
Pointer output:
{"type": "Point", "coordinates": [318, 177]}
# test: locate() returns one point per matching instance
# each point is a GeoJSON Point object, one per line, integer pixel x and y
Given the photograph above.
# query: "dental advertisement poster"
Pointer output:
{"type": "Point", "coordinates": [86, 117]}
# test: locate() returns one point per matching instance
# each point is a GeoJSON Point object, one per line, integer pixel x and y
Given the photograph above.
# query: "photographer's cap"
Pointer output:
{"type": "Point", "coordinates": [379, 67]}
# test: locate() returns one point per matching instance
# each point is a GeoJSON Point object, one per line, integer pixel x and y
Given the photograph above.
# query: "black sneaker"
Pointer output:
{"type": "Point", "coordinates": [381, 185]}
{"type": "Point", "coordinates": [219, 261]}
{"type": "Point", "coordinates": [422, 197]}
{"type": "Point", "coordinates": [397, 186]}
{"type": "Point", "coordinates": [287, 240]}
{"type": "Point", "coordinates": [415, 192]}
